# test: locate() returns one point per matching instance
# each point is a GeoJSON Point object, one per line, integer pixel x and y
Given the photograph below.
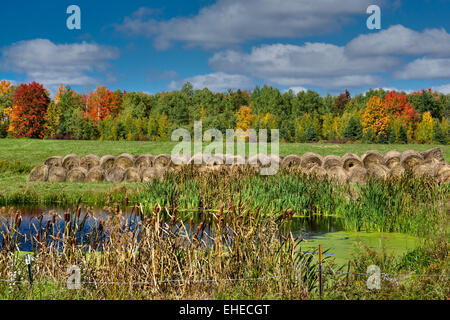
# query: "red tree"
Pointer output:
{"type": "Point", "coordinates": [30, 106]}
{"type": "Point", "coordinates": [102, 103]}
{"type": "Point", "coordinates": [397, 105]}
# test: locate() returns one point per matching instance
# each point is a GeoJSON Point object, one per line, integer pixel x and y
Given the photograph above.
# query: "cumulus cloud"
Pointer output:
{"type": "Point", "coordinates": [425, 68]}
{"type": "Point", "coordinates": [445, 89]}
{"type": "Point", "coordinates": [229, 22]}
{"type": "Point", "coordinates": [295, 90]}
{"type": "Point", "coordinates": [51, 64]}
{"type": "Point", "coordinates": [399, 40]}
{"type": "Point", "coordinates": [313, 64]}
{"type": "Point", "coordinates": [217, 82]}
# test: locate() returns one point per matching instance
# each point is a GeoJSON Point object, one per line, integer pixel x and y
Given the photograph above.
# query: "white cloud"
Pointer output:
{"type": "Point", "coordinates": [217, 82]}
{"type": "Point", "coordinates": [399, 40]}
{"type": "Point", "coordinates": [296, 90]}
{"type": "Point", "coordinates": [229, 22]}
{"type": "Point", "coordinates": [52, 64]}
{"type": "Point", "coordinates": [425, 68]}
{"type": "Point", "coordinates": [313, 64]}
{"type": "Point", "coordinates": [445, 89]}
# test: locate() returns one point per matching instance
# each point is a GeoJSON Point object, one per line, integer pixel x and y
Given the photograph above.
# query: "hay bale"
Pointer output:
{"type": "Point", "coordinates": [107, 162]}
{"type": "Point", "coordinates": [443, 173]}
{"type": "Point", "coordinates": [114, 174]}
{"type": "Point", "coordinates": [371, 158]}
{"type": "Point", "coordinates": [378, 171]}
{"type": "Point", "coordinates": [351, 161]}
{"type": "Point", "coordinates": [317, 171]}
{"type": "Point", "coordinates": [132, 175]}
{"type": "Point", "coordinates": [162, 161]}
{"type": "Point", "coordinates": [332, 161]}
{"type": "Point", "coordinates": [433, 155]}
{"type": "Point", "coordinates": [397, 171]}
{"type": "Point", "coordinates": [39, 173]}
{"type": "Point", "coordinates": [358, 175]}
{"type": "Point", "coordinates": [124, 161]}
{"type": "Point", "coordinates": [144, 161]}
{"type": "Point", "coordinates": [337, 174]}
{"type": "Point", "coordinates": [90, 161]}
{"type": "Point", "coordinates": [310, 159]}
{"type": "Point", "coordinates": [291, 161]}
{"type": "Point", "coordinates": [77, 175]}
{"type": "Point", "coordinates": [71, 161]}
{"type": "Point", "coordinates": [429, 170]}
{"type": "Point", "coordinates": [392, 159]}
{"type": "Point", "coordinates": [57, 174]}
{"type": "Point", "coordinates": [150, 174]}
{"type": "Point", "coordinates": [410, 159]}
{"type": "Point", "coordinates": [54, 162]}
{"type": "Point", "coordinates": [95, 175]}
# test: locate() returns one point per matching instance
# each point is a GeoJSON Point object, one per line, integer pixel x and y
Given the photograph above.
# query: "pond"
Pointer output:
{"type": "Point", "coordinates": [327, 231]}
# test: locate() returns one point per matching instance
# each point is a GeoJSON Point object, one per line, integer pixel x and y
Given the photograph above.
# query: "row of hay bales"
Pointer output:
{"type": "Point", "coordinates": [144, 168]}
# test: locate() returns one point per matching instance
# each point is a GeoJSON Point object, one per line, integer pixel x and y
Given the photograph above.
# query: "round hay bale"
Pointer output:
{"type": "Point", "coordinates": [378, 171]}
{"type": "Point", "coordinates": [71, 161]}
{"type": "Point", "coordinates": [132, 175]}
{"type": "Point", "coordinates": [433, 155]}
{"type": "Point", "coordinates": [310, 159]}
{"type": "Point", "coordinates": [124, 161]}
{"type": "Point", "coordinates": [337, 174]}
{"type": "Point", "coordinates": [57, 174]}
{"type": "Point", "coordinates": [351, 161]}
{"type": "Point", "coordinates": [358, 175]}
{"type": "Point", "coordinates": [107, 162]}
{"type": "Point", "coordinates": [371, 158]}
{"type": "Point", "coordinates": [397, 171]}
{"type": "Point", "coordinates": [429, 170]}
{"type": "Point", "coordinates": [410, 159]}
{"type": "Point", "coordinates": [39, 173]}
{"type": "Point", "coordinates": [144, 161]}
{"type": "Point", "coordinates": [331, 161]}
{"type": "Point", "coordinates": [392, 158]}
{"type": "Point", "coordinates": [90, 161]}
{"type": "Point", "coordinates": [259, 160]}
{"type": "Point", "coordinates": [76, 175]}
{"type": "Point", "coordinates": [317, 171]}
{"type": "Point", "coordinates": [162, 161]}
{"type": "Point", "coordinates": [443, 173]}
{"type": "Point", "coordinates": [291, 161]}
{"type": "Point", "coordinates": [114, 174]}
{"type": "Point", "coordinates": [150, 174]}
{"type": "Point", "coordinates": [95, 175]}
{"type": "Point", "coordinates": [54, 162]}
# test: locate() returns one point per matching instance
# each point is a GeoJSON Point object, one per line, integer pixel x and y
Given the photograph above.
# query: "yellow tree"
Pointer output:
{"type": "Point", "coordinates": [244, 118]}
{"type": "Point", "coordinates": [376, 116]}
{"type": "Point", "coordinates": [425, 128]}
{"type": "Point", "coordinates": [4, 87]}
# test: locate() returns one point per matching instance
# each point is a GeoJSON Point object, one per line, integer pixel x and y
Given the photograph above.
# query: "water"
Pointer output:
{"type": "Point", "coordinates": [327, 231]}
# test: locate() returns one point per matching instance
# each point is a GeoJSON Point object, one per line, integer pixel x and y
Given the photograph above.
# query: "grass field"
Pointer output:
{"type": "Point", "coordinates": [19, 156]}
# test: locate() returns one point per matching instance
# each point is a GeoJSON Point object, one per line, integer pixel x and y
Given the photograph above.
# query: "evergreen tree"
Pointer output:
{"type": "Point", "coordinates": [402, 136]}
{"type": "Point", "coordinates": [381, 139]}
{"type": "Point", "coordinates": [439, 135]}
{"type": "Point", "coordinates": [392, 136]}
{"type": "Point", "coordinates": [311, 135]}
{"type": "Point", "coordinates": [369, 136]}
{"type": "Point", "coordinates": [353, 130]}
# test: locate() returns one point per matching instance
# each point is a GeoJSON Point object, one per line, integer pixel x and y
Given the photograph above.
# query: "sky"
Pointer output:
{"type": "Point", "coordinates": [154, 46]}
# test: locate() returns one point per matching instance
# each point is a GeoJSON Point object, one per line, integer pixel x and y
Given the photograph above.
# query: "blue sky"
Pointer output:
{"type": "Point", "coordinates": [154, 46]}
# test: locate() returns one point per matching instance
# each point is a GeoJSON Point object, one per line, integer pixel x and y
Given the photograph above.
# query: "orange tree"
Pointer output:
{"type": "Point", "coordinates": [397, 105]}
{"type": "Point", "coordinates": [30, 106]}
{"type": "Point", "coordinates": [102, 103]}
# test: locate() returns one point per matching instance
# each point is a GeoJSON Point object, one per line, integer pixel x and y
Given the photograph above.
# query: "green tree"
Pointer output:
{"type": "Point", "coordinates": [353, 130]}
{"type": "Point", "coordinates": [311, 135]}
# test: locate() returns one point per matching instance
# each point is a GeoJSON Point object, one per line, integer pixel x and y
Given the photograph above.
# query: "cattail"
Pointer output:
{"type": "Point", "coordinates": [284, 214]}
{"type": "Point", "coordinates": [16, 218]}
{"type": "Point", "coordinates": [153, 221]}
{"type": "Point", "coordinates": [53, 218]}
{"type": "Point", "coordinates": [47, 226]}
{"type": "Point", "coordinates": [126, 201]}
{"type": "Point", "coordinates": [172, 221]}
{"type": "Point", "coordinates": [100, 226]}
{"type": "Point", "coordinates": [191, 224]}
{"type": "Point", "coordinates": [291, 213]}
{"type": "Point", "coordinates": [117, 209]}
{"type": "Point", "coordinates": [19, 221]}
{"type": "Point", "coordinates": [66, 217]}
{"type": "Point", "coordinates": [58, 235]}
{"type": "Point", "coordinates": [148, 221]}
{"type": "Point", "coordinates": [78, 212]}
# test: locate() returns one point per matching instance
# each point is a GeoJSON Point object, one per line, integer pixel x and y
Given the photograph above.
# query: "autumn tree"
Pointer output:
{"type": "Point", "coordinates": [244, 118]}
{"type": "Point", "coordinates": [102, 103]}
{"type": "Point", "coordinates": [375, 116]}
{"type": "Point", "coordinates": [341, 102]}
{"type": "Point", "coordinates": [425, 128]}
{"type": "Point", "coordinates": [30, 106]}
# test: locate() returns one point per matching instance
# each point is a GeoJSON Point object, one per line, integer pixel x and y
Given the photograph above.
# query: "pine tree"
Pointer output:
{"type": "Point", "coordinates": [352, 130]}
{"type": "Point", "coordinates": [402, 136]}
{"type": "Point", "coordinates": [439, 135]}
{"type": "Point", "coordinates": [311, 135]}
{"type": "Point", "coordinates": [392, 136]}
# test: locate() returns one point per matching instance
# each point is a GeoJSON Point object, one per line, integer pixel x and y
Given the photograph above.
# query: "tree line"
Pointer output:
{"type": "Point", "coordinates": [377, 116]}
